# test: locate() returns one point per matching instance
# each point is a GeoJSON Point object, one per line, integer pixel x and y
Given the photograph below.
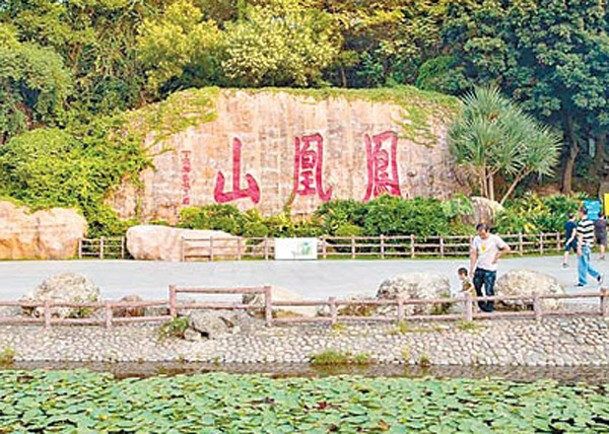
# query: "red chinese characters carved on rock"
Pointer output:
{"type": "Point", "coordinates": [382, 163]}
{"type": "Point", "coordinates": [252, 190]}
{"type": "Point", "coordinates": [308, 167]}
{"type": "Point", "coordinates": [186, 168]}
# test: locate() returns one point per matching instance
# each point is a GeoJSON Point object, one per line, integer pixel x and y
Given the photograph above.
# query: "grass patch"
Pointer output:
{"type": "Point", "coordinates": [338, 327]}
{"type": "Point", "coordinates": [467, 326]}
{"type": "Point", "coordinates": [335, 357]}
{"type": "Point", "coordinates": [174, 328]}
{"type": "Point", "coordinates": [424, 361]}
{"type": "Point", "coordinates": [7, 356]}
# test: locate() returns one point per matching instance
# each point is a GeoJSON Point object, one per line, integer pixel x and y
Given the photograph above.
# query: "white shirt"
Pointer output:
{"type": "Point", "coordinates": [487, 251]}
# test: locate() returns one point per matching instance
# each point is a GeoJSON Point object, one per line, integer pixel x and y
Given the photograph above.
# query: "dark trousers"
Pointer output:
{"type": "Point", "coordinates": [486, 278]}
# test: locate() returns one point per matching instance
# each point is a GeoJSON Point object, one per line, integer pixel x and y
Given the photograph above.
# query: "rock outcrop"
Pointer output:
{"type": "Point", "coordinates": [526, 282]}
{"type": "Point", "coordinates": [66, 287]}
{"type": "Point", "coordinates": [45, 234]}
{"type": "Point", "coordinates": [426, 286]}
{"type": "Point", "coordinates": [485, 211]}
{"type": "Point", "coordinates": [163, 243]}
{"type": "Point", "coordinates": [333, 143]}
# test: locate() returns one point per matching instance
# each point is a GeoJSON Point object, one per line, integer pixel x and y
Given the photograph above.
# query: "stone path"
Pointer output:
{"type": "Point", "coordinates": [314, 280]}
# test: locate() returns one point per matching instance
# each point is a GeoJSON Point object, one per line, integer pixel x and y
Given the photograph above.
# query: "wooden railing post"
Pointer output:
{"type": "Point", "coordinates": [47, 313]}
{"type": "Point", "coordinates": [211, 248]}
{"type": "Point", "coordinates": [412, 253]}
{"type": "Point", "coordinates": [333, 310]}
{"type": "Point", "coordinates": [604, 302]}
{"type": "Point", "coordinates": [123, 240]}
{"type": "Point", "coordinates": [182, 249]}
{"type": "Point", "coordinates": [541, 244]}
{"type": "Point", "coordinates": [108, 316]}
{"type": "Point", "coordinates": [324, 248]}
{"type": "Point", "coordinates": [558, 246]}
{"type": "Point", "coordinates": [537, 306]}
{"type": "Point", "coordinates": [266, 248]}
{"type": "Point", "coordinates": [80, 248]}
{"type": "Point", "coordinates": [382, 246]}
{"type": "Point", "coordinates": [173, 310]}
{"type": "Point", "coordinates": [520, 244]}
{"type": "Point", "coordinates": [441, 247]}
{"type": "Point", "coordinates": [268, 306]}
{"type": "Point", "coordinates": [352, 247]}
{"type": "Point", "coordinates": [400, 309]}
{"type": "Point", "coordinates": [239, 249]}
{"type": "Point", "coordinates": [468, 307]}
{"type": "Point", "coordinates": [101, 248]}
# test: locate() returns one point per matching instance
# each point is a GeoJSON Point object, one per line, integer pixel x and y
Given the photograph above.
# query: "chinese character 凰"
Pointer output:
{"type": "Point", "coordinates": [381, 155]}
{"type": "Point", "coordinates": [252, 190]}
{"type": "Point", "coordinates": [308, 167]}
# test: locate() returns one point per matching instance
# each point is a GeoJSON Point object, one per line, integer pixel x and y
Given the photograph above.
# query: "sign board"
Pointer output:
{"type": "Point", "coordinates": [295, 248]}
{"type": "Point", "coordinates": [594, 208]}
{"type": "Point", "coordinates": [606, 200]}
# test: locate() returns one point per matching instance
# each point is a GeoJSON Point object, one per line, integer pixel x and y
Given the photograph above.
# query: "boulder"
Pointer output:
{"type": "Point", "coordinates": [45, 234]}
{"type": "Point", "coordinates": [485, 211]}
{"type": "Point", "coordinates": [163, 243]}
{"type": "Point", "coordinates": [426, 286]}
{"type": "Point", "coordinates": [210, 323]}
{"type": "Point", "coordinates": [526, 282]}
{"type": "Point", "coordinates": [280, 294]}
{"type": "Point", "coordinates": [123, 312]}
{"type": "Point", "coordinates": [66, 287]}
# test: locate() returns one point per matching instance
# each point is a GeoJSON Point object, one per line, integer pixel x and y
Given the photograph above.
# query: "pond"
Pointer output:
{"type": "Point", "coordinates": [83, 401]}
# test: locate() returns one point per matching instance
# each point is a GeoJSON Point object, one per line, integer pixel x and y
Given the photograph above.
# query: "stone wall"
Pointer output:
{"type": "Point", "coordinates": [269, 148]}
{"type": "Point", "coordinates": [551, 342]}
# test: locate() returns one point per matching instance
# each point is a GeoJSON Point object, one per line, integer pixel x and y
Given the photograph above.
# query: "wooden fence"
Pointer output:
{"type": "Point", "coordinates": [382, 247]}
{"type": "Point", "coordinates": [173, 306]}
{"type": "Point", "coordinates": [102, 248]}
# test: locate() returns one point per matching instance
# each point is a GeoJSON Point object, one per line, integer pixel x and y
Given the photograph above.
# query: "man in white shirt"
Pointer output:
{"type": "Point", "coordinates": [484, 254]}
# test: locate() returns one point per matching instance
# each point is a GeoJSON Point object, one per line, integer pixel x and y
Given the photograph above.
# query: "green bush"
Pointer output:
{"type": "Point", "coordinates": [225, 218]}
{"type": "Point", "coordinates": [534, 214]}
{"type": "Point", "coordinates": [349, 230]}
{"type": "Point", "coordinates": [337, 213]}
{"type": "Point", "coordinates": [389, 215]}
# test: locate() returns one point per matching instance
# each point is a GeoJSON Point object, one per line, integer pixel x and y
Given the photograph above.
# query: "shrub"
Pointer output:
{"type": "Point", "coordinates": [337, 213]}
{"type": "Point", "coordinates": [175, 328]}
{"type": "Point", "coordinates": [225, 218]}
{"type": "Point", "coordinates": [349, 230]}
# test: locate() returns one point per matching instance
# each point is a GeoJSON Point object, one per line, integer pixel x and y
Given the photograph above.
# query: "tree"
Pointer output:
{"type": "Point", "coordinates": [494, 138]}
{"type": "Point", "coordinates": [550, 55]}
{"type": "Point", "coordinates": [283, 43]}
{"type": "Point", "coordinates": [34, 84]}
{"type": "Point", "coordinates": [179, 49]}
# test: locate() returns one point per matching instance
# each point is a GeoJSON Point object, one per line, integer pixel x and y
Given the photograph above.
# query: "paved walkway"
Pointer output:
{"type": "Point", "coordinates": [314, 280]}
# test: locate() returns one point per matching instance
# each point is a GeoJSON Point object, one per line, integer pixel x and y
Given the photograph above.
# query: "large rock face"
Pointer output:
{"type": "Point", "coordinates": [416, 285]}
{"type": "Point", "coordinates": [162, 243]}
{"type": "Point", "coordinates": [48, 234]}
{"type": "Point", "coordinates": [526, 282]}
{"type": "Point", "coordinates": [268, 148]}
{"type": "Point", "coordinates": [66, 287]}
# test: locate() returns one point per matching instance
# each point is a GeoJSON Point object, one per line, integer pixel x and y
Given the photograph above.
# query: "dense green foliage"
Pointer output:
{"type": "Point", "coordinates": [386, 215]}
{"type": "Point", "coordinates": [532, 214]}
{"type": "Point", "coordinates": [81, 401]}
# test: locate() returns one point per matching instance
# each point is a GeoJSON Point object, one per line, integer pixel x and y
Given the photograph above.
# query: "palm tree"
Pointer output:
{"type": "Point", "coordinates": [493, 136]}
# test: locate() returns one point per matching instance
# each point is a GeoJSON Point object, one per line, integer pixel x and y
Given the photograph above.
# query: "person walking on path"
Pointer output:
{"type": "Point", "coordinates": [570, 239]}
{"type": "Point", "coordinates": [600, 233]}
{"type": "Point", "coordinates": [485, 252]}
{"type": "Point", "coordinates": [585, 239]}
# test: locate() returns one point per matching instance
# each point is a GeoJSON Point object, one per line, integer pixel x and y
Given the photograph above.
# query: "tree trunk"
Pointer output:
{"type": "Point", "coordinates": [513, 187]}
{"type": "Point", "coordinates": [572, 151]}
{"type": "Point", "coordinates": [600, 155]}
